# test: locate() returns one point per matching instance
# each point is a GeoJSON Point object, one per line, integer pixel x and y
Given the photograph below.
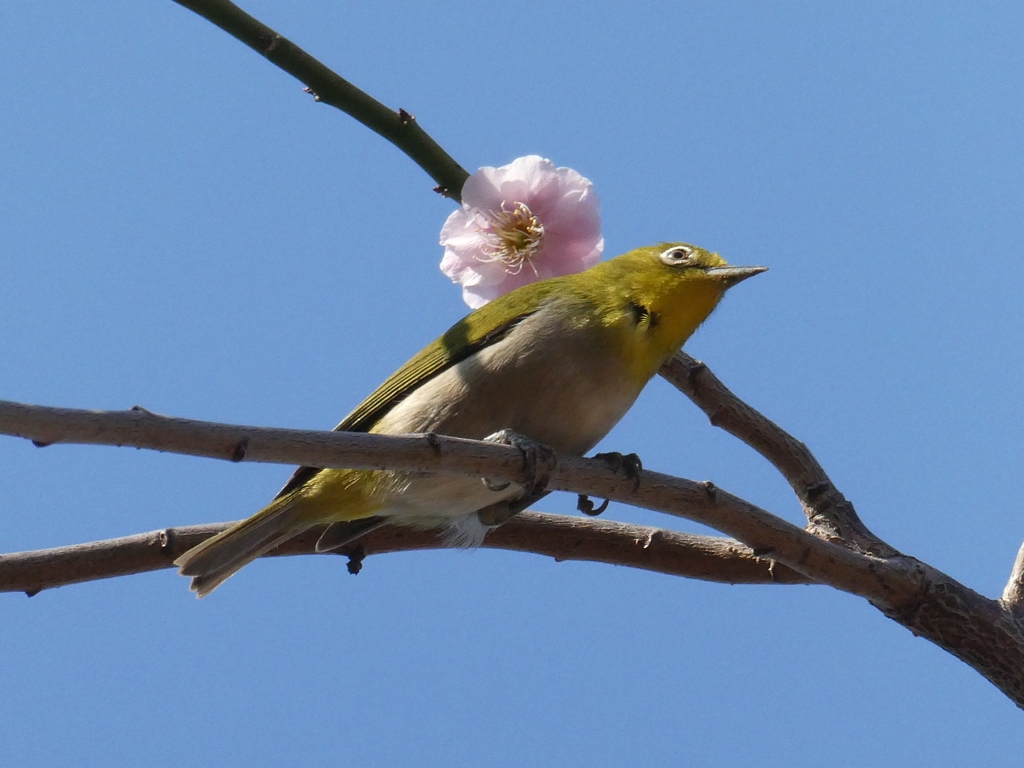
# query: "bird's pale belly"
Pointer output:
{"type": "Point", "coordinates": [559, 397]}
{"type": "Point", "coordinates": [562, 393]}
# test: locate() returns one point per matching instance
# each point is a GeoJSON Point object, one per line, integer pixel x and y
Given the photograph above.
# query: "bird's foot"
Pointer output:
{"type": "Point", "coordinates": [629, 464]}
{"type": "Point", "coordinates": [586, 506]}
{"type": "Point", "coordinates": [538, 462]}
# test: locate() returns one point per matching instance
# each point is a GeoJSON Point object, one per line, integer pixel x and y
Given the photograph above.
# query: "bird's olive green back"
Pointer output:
{"type": "Point", "coordinates": [479, 329]}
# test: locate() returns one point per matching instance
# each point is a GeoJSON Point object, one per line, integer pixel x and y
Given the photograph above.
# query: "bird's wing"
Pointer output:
{"type": "Point", "coordinates": [487, 325]}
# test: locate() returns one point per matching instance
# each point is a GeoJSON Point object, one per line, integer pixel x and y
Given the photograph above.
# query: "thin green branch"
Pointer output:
{"type": "Point", "coordinates": [400, 128]}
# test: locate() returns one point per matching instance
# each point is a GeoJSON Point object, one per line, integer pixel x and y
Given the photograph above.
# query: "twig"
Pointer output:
{"type": "Point", "coordinates": [557, 536]}
{"type": "Point", "coordinates": [827, 510]}
{"type": "Point", "coordinates": [400, 128]}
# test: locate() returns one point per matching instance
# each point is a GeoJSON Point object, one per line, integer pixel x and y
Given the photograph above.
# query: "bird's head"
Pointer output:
{"type": "Point", "coordinates": [657, 296]}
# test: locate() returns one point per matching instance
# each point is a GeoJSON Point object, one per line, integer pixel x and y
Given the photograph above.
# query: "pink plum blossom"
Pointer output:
{"type": "Point", "coordinates": [525, 221]}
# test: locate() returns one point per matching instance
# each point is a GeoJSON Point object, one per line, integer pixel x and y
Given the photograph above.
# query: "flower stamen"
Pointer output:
{"type": "Point", "coordinates": [512, 237]}
{"type": "Point", "coordinates": [528, 213]}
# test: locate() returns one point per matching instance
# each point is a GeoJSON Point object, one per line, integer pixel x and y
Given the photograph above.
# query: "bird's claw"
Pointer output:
{"type": "Point", "coordinates": [629, 464]}
{"type": "Point", "coordinates": [586, 506]}
{"type": "Point", "coordinates": [538, 462]}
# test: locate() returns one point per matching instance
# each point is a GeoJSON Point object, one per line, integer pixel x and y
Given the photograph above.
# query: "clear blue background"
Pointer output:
{"type": "Point", "coordinates": [182, 228]}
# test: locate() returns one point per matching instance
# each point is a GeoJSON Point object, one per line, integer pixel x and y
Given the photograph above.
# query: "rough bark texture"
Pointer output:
{"type": "Point", "coordinates": [557, 536]}
{"type": "Point", "coordinates": [974, 628]}
{"type": "Point", "coordinates": [827, 510]}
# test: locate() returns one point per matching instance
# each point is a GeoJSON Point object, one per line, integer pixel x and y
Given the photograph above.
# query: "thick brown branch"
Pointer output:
{"type": "Point", "coordinates": [400, 128]}
{"type": "Point", "coordinates": [557, 536]}
{"type": "Point", "coordinates": [827, 510]}
{"type": "Point", "coordinates": [817, 559]}
{"type": "Point", "coordinates": [972, 627]}
{"type": "Point", "coordinates": [888, 584]}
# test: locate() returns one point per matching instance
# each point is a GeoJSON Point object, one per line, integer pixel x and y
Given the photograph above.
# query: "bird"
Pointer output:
{"type": "Point", "coordinates": [557, 362]}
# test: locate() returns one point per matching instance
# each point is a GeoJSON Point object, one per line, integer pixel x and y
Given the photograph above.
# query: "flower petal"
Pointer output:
{"type": "Point", "coordinates": [521, 222]}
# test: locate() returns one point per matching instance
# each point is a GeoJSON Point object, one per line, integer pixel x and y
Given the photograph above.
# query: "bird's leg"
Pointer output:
{"type": "Point", "coordinates": [538, 461]}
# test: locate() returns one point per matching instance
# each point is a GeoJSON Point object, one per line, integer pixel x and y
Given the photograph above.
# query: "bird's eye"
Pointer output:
{"type": "Point", "coordinates": [678, 256]}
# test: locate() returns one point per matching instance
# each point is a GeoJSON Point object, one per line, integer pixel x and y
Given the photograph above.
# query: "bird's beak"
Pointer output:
{"type": "Point", "coordinates": [732, 275]}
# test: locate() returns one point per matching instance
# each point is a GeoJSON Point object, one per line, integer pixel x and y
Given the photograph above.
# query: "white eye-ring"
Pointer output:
{"type": "Point", "coordinates": [678, 256]}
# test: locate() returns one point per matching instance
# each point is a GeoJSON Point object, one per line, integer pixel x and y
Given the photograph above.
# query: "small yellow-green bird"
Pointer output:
{"type": "Point", "coordinates": [558, 361]}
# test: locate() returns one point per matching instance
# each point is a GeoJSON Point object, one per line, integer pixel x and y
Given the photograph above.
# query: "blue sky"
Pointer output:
{"type": "Point", "coordinates": [182, 228]}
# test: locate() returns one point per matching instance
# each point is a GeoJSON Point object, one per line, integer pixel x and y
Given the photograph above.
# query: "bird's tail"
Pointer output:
{"type": "Point", "coordinates": [219, 557]}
